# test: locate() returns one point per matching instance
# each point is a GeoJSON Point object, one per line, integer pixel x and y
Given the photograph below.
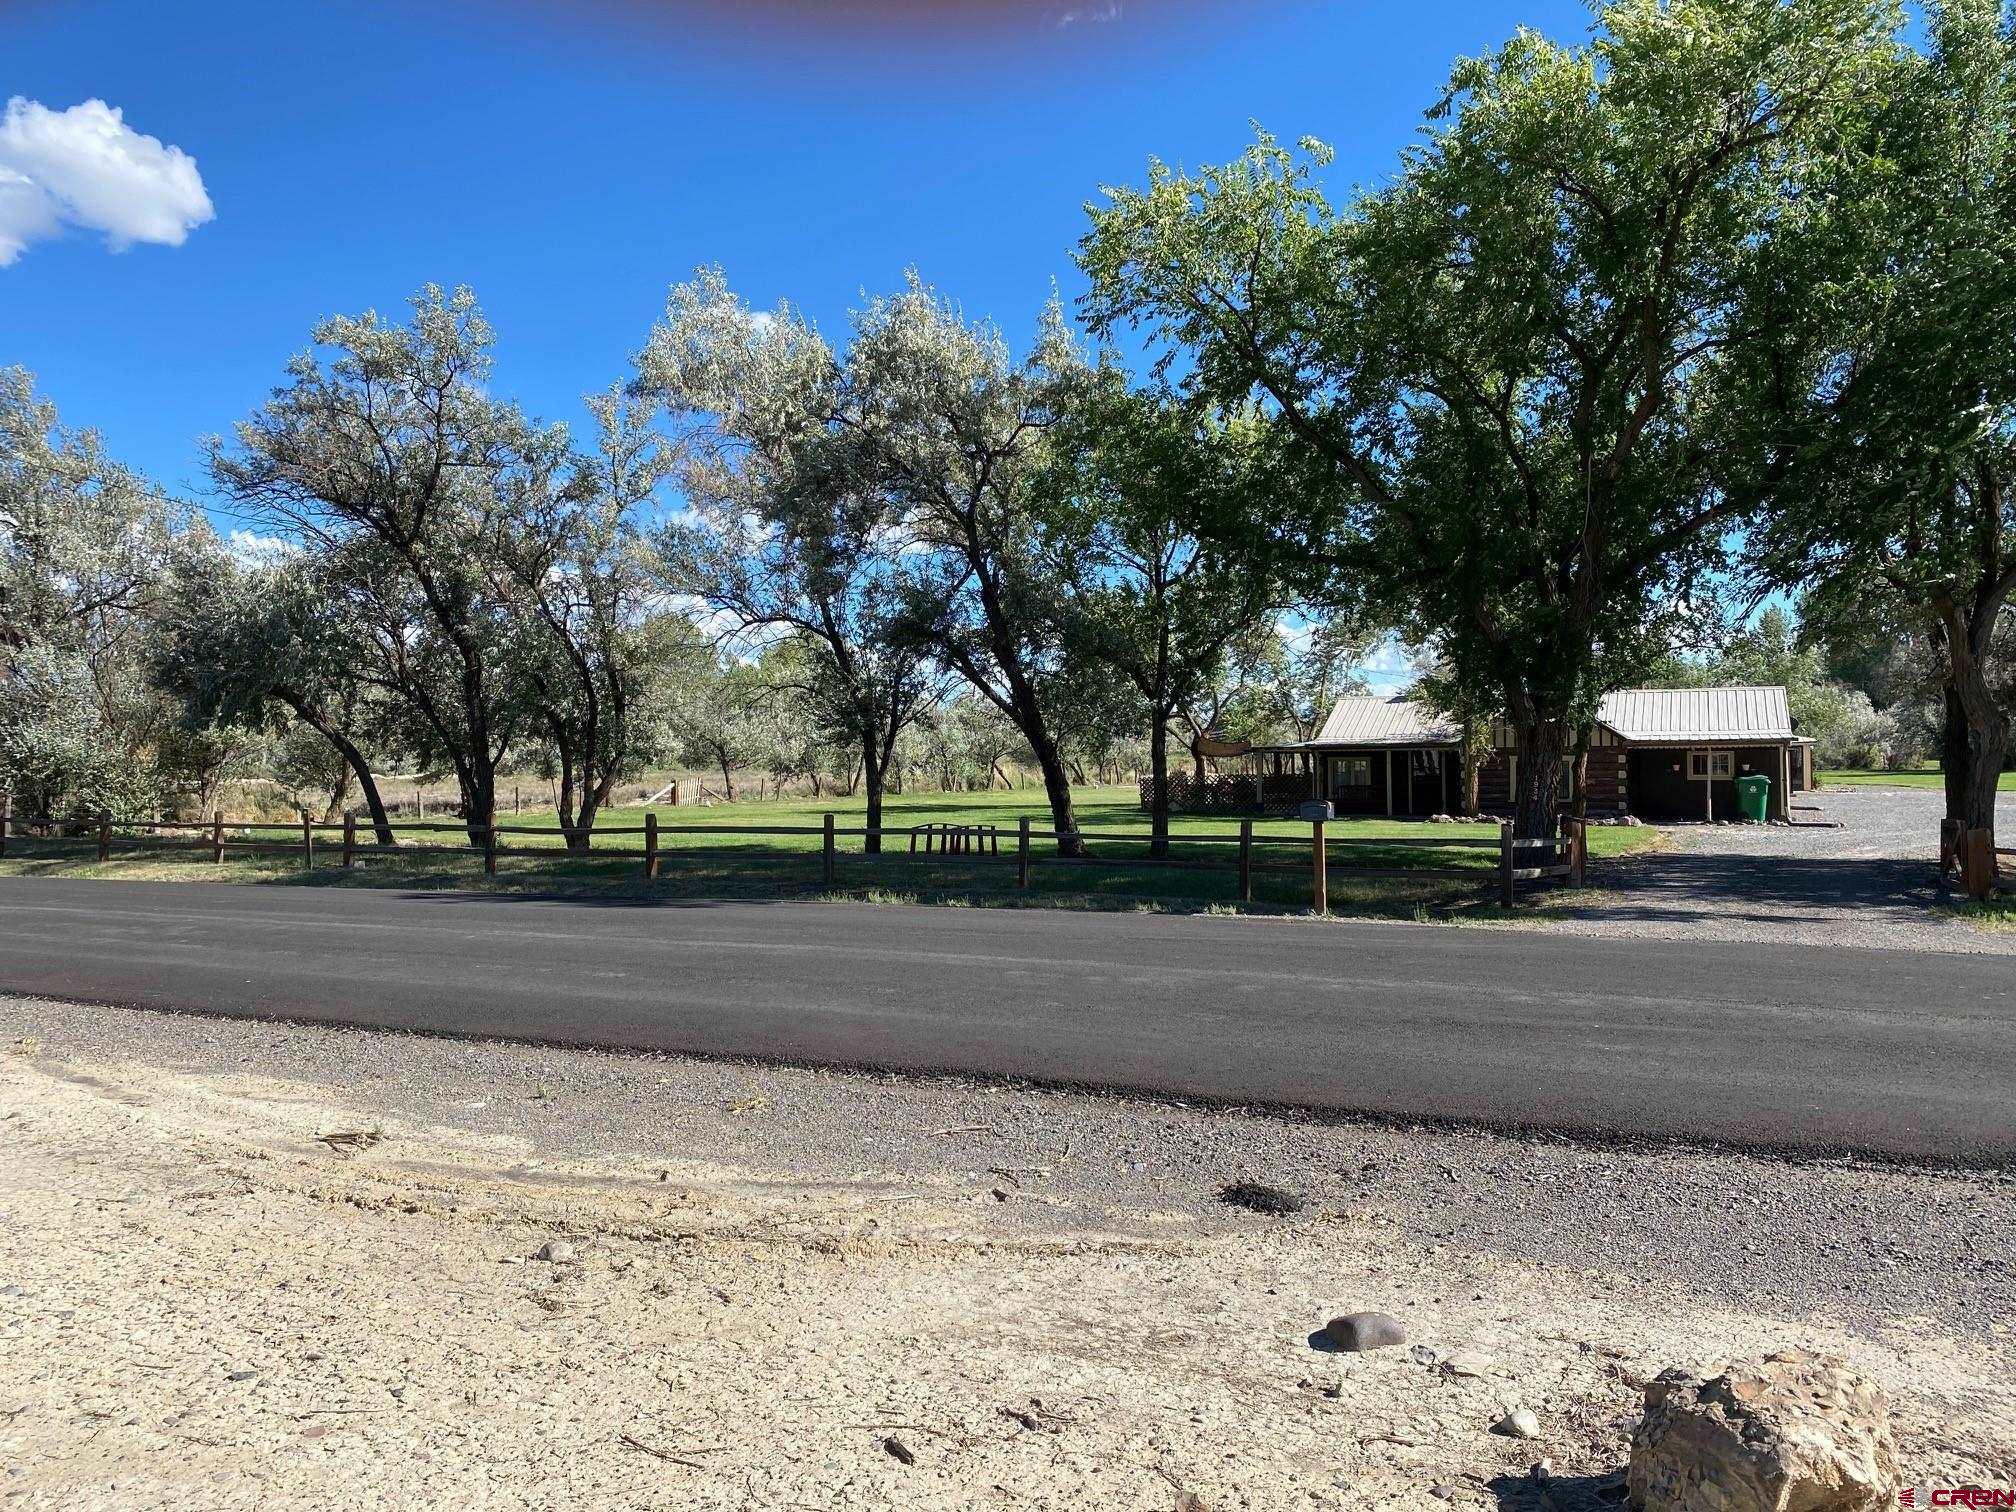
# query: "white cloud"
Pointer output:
{"type": "Point", "coordinates": [255, 550]}
{"type": "Point", "coordinates": [1091, 15]}
{"type": "Point", "coordinates": [1388, 667]}
{"type": "Point", "coordinates": [86, 167]}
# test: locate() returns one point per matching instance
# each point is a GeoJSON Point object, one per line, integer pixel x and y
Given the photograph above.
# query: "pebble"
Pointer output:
{"type": "Point", "coordinates": [1519, 1423]}
{"type": "Point", "coordinates": [559, 1251]}
{"type": "Point", "coordinates": [241, 1375]}
{"type": "Point", "coordinates": [1468, 1364]}
{"type": "Point", "coordinates": [1357, 1332]}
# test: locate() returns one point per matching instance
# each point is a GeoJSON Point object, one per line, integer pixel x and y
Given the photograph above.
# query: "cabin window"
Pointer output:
{"type": "Point", "coordinates": [1709, 766]}
{"type": "Point", "coordinates": [1354, 771]}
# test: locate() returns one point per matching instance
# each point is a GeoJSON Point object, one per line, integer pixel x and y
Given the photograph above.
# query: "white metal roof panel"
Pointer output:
{"type": "Point", "coordinates": [1366, 719]}
{"type": "Point", "coordinates": [1698, 714]}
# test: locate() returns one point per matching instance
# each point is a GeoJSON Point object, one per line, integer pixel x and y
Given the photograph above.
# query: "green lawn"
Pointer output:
{"type": "Point", "coordinates": [1914, 777]}
{"type": "Point", "coordinates": [696, 863]}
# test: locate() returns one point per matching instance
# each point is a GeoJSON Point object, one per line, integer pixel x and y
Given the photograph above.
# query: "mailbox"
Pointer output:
{"type": "Point", "coordinates": [1316, 809]}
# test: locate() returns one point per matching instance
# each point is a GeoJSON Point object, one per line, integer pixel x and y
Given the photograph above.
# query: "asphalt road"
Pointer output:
{"type": "Point", "coordinates": [1793, 1048]}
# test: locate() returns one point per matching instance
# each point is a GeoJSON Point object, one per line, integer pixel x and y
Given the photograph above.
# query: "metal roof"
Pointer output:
{"type": "Point", "coordinates": [1365, 719]}
{"type": "Point", "coordinates": [1698, 714]}
{"type": "Point", "coordinates": [1647, 715]}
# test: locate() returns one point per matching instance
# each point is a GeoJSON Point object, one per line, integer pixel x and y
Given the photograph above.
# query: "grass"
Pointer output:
{"type": "Point", "coordinates": [1911, 777]}
{"type": "Point", "coordinates": [696, 865]}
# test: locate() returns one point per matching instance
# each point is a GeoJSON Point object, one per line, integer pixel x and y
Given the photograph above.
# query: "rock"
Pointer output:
{"type": "Point", "coordinates": [1519, 1423]}
{"type": "Point", "coordinates": [1792, 1429]}
{"type": "Point", "coordinates": [241, 1375]}
{"type": "Point", "coordinates": [1468, 1364]}
{"type": "Point", "coordinates": [1354, 1333]}
{"type": "Point", "coordinates": [1421, 1354]}
{"type": "Point", "coordinates": [559, 1251]}
{"type": "Point", "coordinates": [1442, 1493]}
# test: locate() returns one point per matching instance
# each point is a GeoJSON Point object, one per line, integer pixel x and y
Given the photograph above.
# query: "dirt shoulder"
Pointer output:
{"type": "Point", "coordinates": [204, 1303]}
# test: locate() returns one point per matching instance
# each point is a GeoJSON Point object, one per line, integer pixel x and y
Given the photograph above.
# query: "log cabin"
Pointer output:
{"type": "Point", "coordinates": [1660, 754]}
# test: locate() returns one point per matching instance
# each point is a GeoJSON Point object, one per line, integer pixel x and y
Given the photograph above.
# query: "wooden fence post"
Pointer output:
{"type": "Point", "coordinates": [307, 842]}
{"type": "Point", "coordinates": [650, 844]}
{"type": "Point", "coordinates": [1578, 851]}
{"type": "Point", "coordinates": [6, 814]}
{"type": "Point", "coordinates": [1245, 860]}
{"type": "Point", "coordinates": [490, 844]}
{"type": "Point", "coordinates": [105, 837]}
{"type": "Point", "coordinates": [827, 859]}
{"type": "Point", "coordinates": [217, 839]}
{"type": "Point", "coordinates": [1506, 855]}
{"type": "Point", "coordinates": [1319, 859]}
{"type": "Point", "coordinates": [349, 841]}
{"type": "Point", "coordinates": [1980, 866]}
{"type": "Point", "coordinates": [1022, 854]}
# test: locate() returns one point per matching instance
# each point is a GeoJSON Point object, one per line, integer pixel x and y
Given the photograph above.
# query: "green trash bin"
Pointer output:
{"type": "Point", "coordinates": [1753, 798]}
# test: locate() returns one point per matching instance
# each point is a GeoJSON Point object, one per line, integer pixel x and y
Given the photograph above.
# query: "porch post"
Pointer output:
{"type": "Point", "coordinates": [1389, 782]}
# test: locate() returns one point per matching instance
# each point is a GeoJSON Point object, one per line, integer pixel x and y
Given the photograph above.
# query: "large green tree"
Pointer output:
{"type": "Point", "coordinates": [386, 454]}
{"type": "Point", "coordinates": [1134, 486]}
{"type": "Point", "coordinates": [1894, 384]}
{"type": "Point", "coordinates": [1507, 368]}
{"type": "Point", "coordinates": [86, 546]}
{"type": "Point", "coordinates": [944, 422]}
{"type": "Point", "coordinates": [251, 645]}
{"type": "Point", "coordinates": [785, 536]}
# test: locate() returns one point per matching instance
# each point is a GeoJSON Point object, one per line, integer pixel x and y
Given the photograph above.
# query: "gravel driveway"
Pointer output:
{"type": "Point", "coordinates": [1864, 876]}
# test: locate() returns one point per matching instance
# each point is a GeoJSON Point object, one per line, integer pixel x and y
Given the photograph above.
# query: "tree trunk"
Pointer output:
{"type": "Point", "coordinates": [1542, 756]}
{"type": "Point", "coordinates": [1986, 734]}
{"type": "Point", "coordinates": [479, 802]}
{"type": "Point", "coordinates": [1953, 754]}
{"type": "Point", "coordinates": [593, 800]}
{"type": "Point", "coordinates": [1470, 777]}
{"type": "Point", "coordinates": [1581, 772]}
{"type": "Point", "coordinates": [1158, 787]}
{"type": "Point", "coordinates": [1057, 788]}
{"type": "Point", "coordinates": [381, 822]}
{"type": "Point", "coordinates": [339, 793]}
{"type": "Point", "coordinates": [873, 777]}
{"type": "Point", "coordinates": [727, 780]}
{"type": "Point", "coordinates": [1197, 767]}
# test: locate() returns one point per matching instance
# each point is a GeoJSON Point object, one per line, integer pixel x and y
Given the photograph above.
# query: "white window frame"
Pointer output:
{"type": "Point", "coordinates": [1716, 766]}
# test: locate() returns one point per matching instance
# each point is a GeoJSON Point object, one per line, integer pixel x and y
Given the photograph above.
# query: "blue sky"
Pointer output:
{"type": "Point", "coordinates": [570, 163]}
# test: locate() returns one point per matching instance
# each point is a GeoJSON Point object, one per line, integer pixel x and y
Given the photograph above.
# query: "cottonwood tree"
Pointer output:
{"type": "Point", "coordinates": [85, 546]}
{"type": "Point", "coordinates": [568, 562]}
{"type": "Point", "coordinates": [1894, 385]}
{"type": "Point", "coordinates": [1509, 367]}
{"type": "Point", "coordinates": [941, 419]}
{"type": "Point", "coordinates": [249, 645]}
{"type": "Point", "coordinates": [1133, 485]}
{"type": "Point", "coordinates": [787, 537]}
{"type": "Point", "coordinates": [386, 453]}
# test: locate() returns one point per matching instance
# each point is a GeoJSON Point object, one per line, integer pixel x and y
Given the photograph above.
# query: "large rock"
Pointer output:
{"type": "Point", "coordinates": [1792, 1432]}
{"type": "Point", "coordinates": [1355, 1333]}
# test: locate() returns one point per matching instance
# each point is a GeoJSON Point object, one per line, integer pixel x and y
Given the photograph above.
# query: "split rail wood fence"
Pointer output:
{"type": "Point", "coordinates": [1518, 861]}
